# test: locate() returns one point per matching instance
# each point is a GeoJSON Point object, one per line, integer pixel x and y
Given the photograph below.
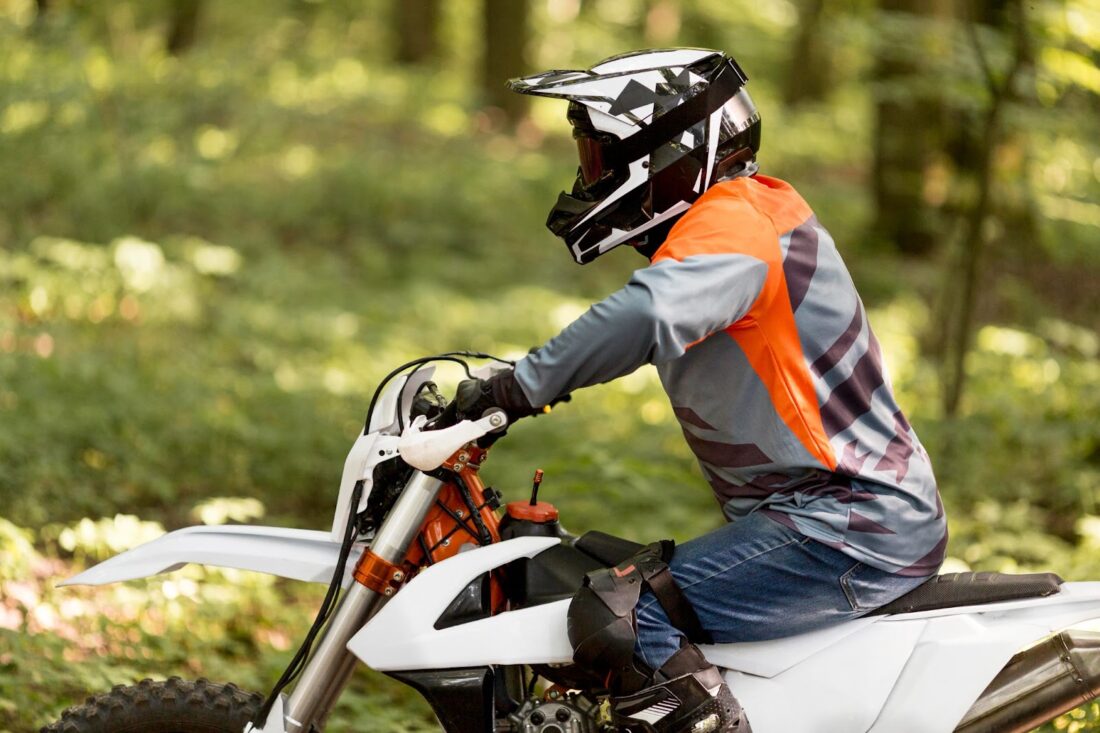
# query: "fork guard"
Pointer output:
{"type": "Point", "coordinates": [297, 554]}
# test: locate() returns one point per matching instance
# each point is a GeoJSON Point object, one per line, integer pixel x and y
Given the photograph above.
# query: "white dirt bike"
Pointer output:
{"type": "Point", "coordinates": [431, 585]}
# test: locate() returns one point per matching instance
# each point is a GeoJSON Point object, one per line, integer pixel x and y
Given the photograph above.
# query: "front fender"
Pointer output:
{"type": "Point", "coordinates": [298, 554]}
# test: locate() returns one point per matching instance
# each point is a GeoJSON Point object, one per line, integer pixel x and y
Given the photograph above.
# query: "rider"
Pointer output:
{"type": "Point", "coordinates": [764, 349]}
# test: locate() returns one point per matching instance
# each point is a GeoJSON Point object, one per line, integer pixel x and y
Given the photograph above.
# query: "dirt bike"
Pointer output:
{"type": "Point", "coordinates": [436, 583]}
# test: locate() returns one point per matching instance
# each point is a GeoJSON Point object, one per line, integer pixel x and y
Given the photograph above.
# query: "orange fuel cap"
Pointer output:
{"type": "Point", "coordinates": [540, 511]}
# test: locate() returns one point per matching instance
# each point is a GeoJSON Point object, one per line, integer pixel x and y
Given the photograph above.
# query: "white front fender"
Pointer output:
{"type": "Point", "coordinates": [299, 554]}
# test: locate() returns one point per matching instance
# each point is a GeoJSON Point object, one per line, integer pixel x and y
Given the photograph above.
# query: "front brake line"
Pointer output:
{"type": "Point", "coordinates": [484, 536]}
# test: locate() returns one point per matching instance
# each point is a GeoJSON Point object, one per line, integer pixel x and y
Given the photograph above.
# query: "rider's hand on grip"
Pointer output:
{"type": "Point", "coordinates": [446, 419]}
{"type": "Point", "coordinates": [475, 397]}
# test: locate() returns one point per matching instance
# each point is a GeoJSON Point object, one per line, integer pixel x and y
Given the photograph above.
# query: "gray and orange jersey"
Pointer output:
{"type": "Point", "coordinates": [764, 348]}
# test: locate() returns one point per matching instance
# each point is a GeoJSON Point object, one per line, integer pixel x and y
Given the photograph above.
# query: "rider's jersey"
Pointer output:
{"type": "Point", "coordinates": [763, 346]}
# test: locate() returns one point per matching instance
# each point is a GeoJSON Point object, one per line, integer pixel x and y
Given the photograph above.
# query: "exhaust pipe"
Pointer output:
{"type": "Point", "coordinates": [1038, 684]}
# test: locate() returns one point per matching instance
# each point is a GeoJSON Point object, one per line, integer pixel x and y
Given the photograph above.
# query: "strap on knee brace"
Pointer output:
{"type": "Point", "coordinates": [602, 626]}
{"type": "Point", "coordinates": [677, 607]}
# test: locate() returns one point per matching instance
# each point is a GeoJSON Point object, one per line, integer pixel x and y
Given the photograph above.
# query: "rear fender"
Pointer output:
{"type": "Point", "coordinates": [298, 554]}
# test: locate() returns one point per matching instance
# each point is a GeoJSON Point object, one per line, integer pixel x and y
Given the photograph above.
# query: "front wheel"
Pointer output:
{"type": "Point", "coordinates": [171, 706]}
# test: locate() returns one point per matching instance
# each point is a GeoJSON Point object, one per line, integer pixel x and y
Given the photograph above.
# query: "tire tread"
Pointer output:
{"type": "Point", "coordinates": [206, 707]}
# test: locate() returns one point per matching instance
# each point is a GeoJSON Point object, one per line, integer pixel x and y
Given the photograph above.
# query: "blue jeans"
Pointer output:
{"type": "Point", "coordinates": [756, 579]}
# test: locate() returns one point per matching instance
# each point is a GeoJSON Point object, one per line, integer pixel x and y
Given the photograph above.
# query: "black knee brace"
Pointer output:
{"type": "Point", "coordinates": [601, 621]}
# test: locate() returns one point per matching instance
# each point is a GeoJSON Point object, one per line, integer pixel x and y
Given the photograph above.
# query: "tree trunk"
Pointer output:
{"type": "Point", "coordinates": [183, 26]}
{"type": "Point", "coordinates": [1000, 92]}
{"type": "Point", "coordinates": [908, 136]}
{"type": "Point", "coordinates": [41, 16]}
{"type": "Point", "coordinates": [811, 64]}
{"type": "Point", "coordinates": [417, 30]}
{"type": "Point", "coordinates": [504, 23]}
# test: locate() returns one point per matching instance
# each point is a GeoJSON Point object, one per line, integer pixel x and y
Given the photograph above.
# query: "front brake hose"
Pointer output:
{"type": "Point", "coordinates": [484, 536]}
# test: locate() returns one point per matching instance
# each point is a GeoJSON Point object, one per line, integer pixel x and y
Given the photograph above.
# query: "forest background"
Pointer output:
{"type": "Point", "coordinates": [222, 223]}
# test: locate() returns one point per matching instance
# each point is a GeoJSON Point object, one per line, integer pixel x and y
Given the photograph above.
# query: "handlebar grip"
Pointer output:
{"type": "Point", "coordinates": [446, 419]}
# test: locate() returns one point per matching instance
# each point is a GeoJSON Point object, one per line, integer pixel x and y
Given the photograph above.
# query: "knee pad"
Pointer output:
{"type": "Point", "coordinates": [601, 621]}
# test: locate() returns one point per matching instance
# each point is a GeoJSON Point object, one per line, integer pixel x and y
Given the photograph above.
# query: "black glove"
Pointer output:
{"type": "Point", "coordinates": [475, 397]}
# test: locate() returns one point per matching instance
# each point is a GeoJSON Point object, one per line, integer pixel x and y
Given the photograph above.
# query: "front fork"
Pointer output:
{"type": "Point", "coordinates": [328, 670]}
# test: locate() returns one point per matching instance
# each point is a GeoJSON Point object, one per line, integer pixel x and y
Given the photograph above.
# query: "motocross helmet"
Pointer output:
{"type": "Point", "coordinates": [654, 130]}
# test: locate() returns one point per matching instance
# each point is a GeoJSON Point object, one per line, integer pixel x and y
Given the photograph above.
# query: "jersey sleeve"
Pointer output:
{"type": "Point", "coordinates": [662, 311]}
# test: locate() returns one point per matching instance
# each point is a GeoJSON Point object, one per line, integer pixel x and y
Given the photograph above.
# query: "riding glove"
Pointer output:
{"type": "Point", "coordinates": [475, 397]}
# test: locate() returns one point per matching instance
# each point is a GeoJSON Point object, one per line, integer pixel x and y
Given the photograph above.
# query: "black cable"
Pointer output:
{"type": "Point", "coordinates": [401, 392]}
{"type": "Point", "coordinates": [420, 362]}
{"type": "Point", "coordinates": [449, 356]}
{"type": "Point", "coordinates": [382, 385]}
{"type": "Point", "coordinates": [327, 605]}
{"type": "Point", "coordinates": [458, 520]}
{"type": "Point", "coordinates": [484, 537]}
{"type": "Point", "coordinates": [425, 549]}
{"type": "Point", "coordinates": [443, 540]}
{"type": "Point", "coordinates": [532, 683]}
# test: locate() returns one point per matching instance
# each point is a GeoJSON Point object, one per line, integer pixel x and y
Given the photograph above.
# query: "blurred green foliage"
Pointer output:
{"type": "Point", "coordinates": [208, 260]}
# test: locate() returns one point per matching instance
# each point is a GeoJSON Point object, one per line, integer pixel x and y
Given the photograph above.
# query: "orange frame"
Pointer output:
{"type": "Point", "coordinates": [441, 535]}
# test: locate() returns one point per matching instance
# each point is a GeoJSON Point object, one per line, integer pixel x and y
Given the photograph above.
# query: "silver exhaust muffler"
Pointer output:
{"type": "Point", "coordinates": [1038, 684]}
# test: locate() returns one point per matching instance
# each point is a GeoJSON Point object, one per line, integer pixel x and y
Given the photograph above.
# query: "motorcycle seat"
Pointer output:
{"type": "Point", "coordinates": [951, 590]}
{"type": "Point", "coordinates": [608, 549]}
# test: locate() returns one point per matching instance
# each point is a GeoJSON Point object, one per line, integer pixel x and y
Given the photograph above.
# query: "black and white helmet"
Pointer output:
{"type": "Point", "coordinates": [654, 130]}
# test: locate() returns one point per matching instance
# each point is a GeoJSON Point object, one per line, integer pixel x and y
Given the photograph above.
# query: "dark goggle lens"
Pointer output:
{"type": "Point", "coordinates": [591, 154]}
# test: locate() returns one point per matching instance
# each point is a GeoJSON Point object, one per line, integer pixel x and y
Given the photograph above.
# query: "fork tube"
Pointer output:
{"type": "Point", "coordinates": [331, 665]}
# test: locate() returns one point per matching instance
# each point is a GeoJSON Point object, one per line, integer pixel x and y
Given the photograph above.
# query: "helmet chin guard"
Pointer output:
{"type": "Point", "coordinates": [655, 129]}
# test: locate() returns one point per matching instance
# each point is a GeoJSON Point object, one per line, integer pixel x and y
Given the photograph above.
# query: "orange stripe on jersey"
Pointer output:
{"type": "Point", "coordinates": [747, 216]}
{"type": "Point", "coordinates": [769, 338]}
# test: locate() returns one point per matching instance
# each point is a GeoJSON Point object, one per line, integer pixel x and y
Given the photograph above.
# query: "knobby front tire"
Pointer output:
{"type": "Point", "coordinates": [171, 706]}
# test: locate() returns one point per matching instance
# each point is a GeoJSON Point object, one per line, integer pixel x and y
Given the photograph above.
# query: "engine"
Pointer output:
{"type": "Point", "coordinates": [559, 714]}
